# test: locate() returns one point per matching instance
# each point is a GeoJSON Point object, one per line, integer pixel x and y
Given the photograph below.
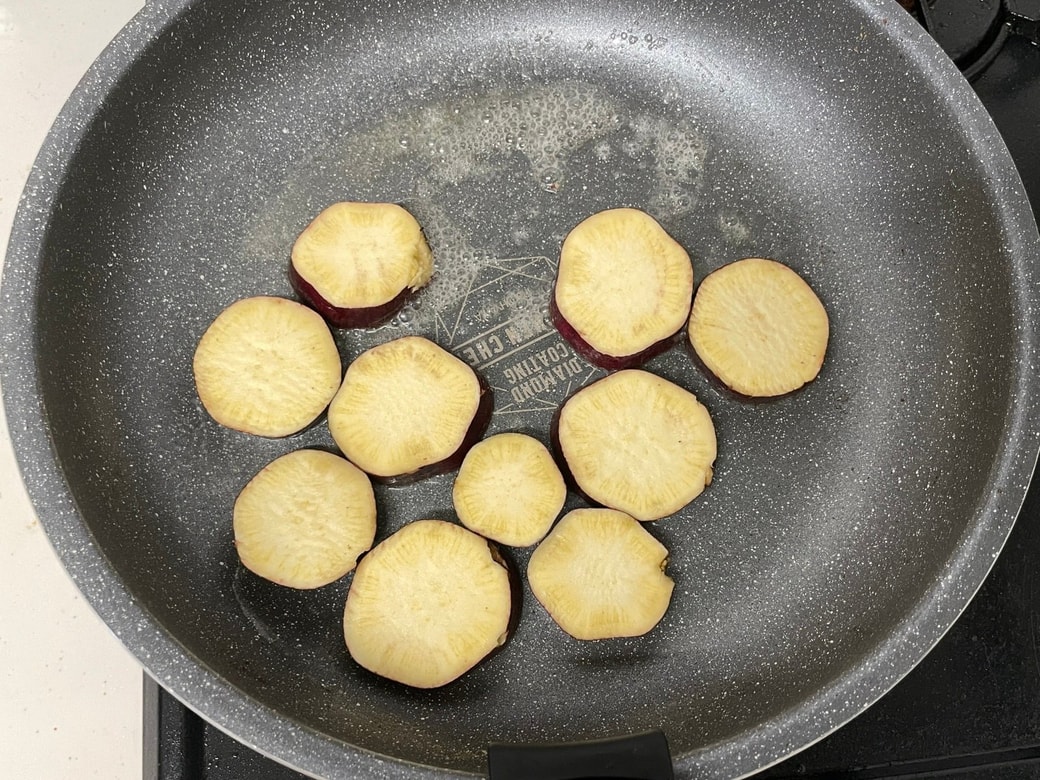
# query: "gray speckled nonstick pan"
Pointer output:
{"type": "Point", "coordinates": [848, 524]}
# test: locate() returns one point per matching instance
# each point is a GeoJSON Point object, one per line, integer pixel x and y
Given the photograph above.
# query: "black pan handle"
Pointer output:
{"type": "Point", "coordinates": [639, 757]}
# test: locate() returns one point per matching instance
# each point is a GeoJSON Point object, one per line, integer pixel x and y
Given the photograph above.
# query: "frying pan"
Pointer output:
{"type": "Point", "coordinates": [848, 524]}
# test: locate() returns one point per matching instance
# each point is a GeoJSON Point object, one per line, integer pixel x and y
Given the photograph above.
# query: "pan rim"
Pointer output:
{"type": "Point", "coordinates": [313, 752]}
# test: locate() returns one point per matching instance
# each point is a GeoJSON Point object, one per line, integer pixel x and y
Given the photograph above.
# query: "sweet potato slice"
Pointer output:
{"type": "Point", "coordinates": [358, 263]}
{"type": "Point", "coordinates": [266, 366]}
{"type": "Point", "coordinates": [636, 442]}
{"type": "Point", "coordinates": [600, 575]}
{"type": "Point", "coordinates": [509, 489]}
{"type": "Point", "coordinates": [304, 519]}
{"type": "Point", "coordinates": [623, 288]}
{"type": "Point", "coordinates": [408, 409]}
{"type": "Point", "coordinates": [759, 328]}
{"type": "Point", "coordinates": [429, 603]}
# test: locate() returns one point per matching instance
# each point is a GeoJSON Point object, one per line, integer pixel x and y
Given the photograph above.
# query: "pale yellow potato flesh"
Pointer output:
{"type": "Point", "coordinates": [636, 442]}
{"type": "Point", "coordinates": [623, 283]}
{"type": "Point", "coordinates": [266, 366]}
{"type": "Point", "coordinates": [600, 575]}
{"type": "Point", "coordinates": [759, 327]}
{"type": "Point", "coordinates": [509, 489]}
{"type": "Point", "coordinates": [427, 604]}
{"type": "Point", "coordinates": [403, 405]}
{"type": "Point", "coordinates": [304, 519]}
{"type": "Point", "coordinates": [360, 255]}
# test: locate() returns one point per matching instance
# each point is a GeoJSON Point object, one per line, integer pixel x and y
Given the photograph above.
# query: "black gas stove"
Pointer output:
{"type": "Point", "coordinates": [971, 709]}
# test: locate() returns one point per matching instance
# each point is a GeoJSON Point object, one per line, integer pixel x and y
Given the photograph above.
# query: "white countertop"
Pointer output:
{"type": "Point", "coordinates": [70, 694]}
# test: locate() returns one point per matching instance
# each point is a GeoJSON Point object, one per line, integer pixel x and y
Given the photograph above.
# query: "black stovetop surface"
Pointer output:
{"type": "Point", "coordinates": [971, 709]}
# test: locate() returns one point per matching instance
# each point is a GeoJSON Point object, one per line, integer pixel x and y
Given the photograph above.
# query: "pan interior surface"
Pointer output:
{"type": "Point", "coordinates": [835, 514]}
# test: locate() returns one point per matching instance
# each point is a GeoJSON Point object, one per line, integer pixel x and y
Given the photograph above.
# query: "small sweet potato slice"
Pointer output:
{"type": "Point", "coordinates": [636, 442]}
{"type": "Point", "coordinates": [600, 575]}
{"type": "Point", "coordinates": [759, 328]}
{"type": "Point", "coordinates": [266, 366]}
{"type": "Point", "coordinates": [304, 519]}
{"type": "Point", "coordinates": [509, 489]}
{"type": "Point", "coordinates": [429, 603]}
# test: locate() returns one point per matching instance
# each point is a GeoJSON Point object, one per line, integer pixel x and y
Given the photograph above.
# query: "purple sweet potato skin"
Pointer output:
{"type": "Point", "coordinates": [516, 592]}
{"type": "Point", "coordinates": [597, 358]}
{"type": "Point", "coordinates": [339, 317]}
